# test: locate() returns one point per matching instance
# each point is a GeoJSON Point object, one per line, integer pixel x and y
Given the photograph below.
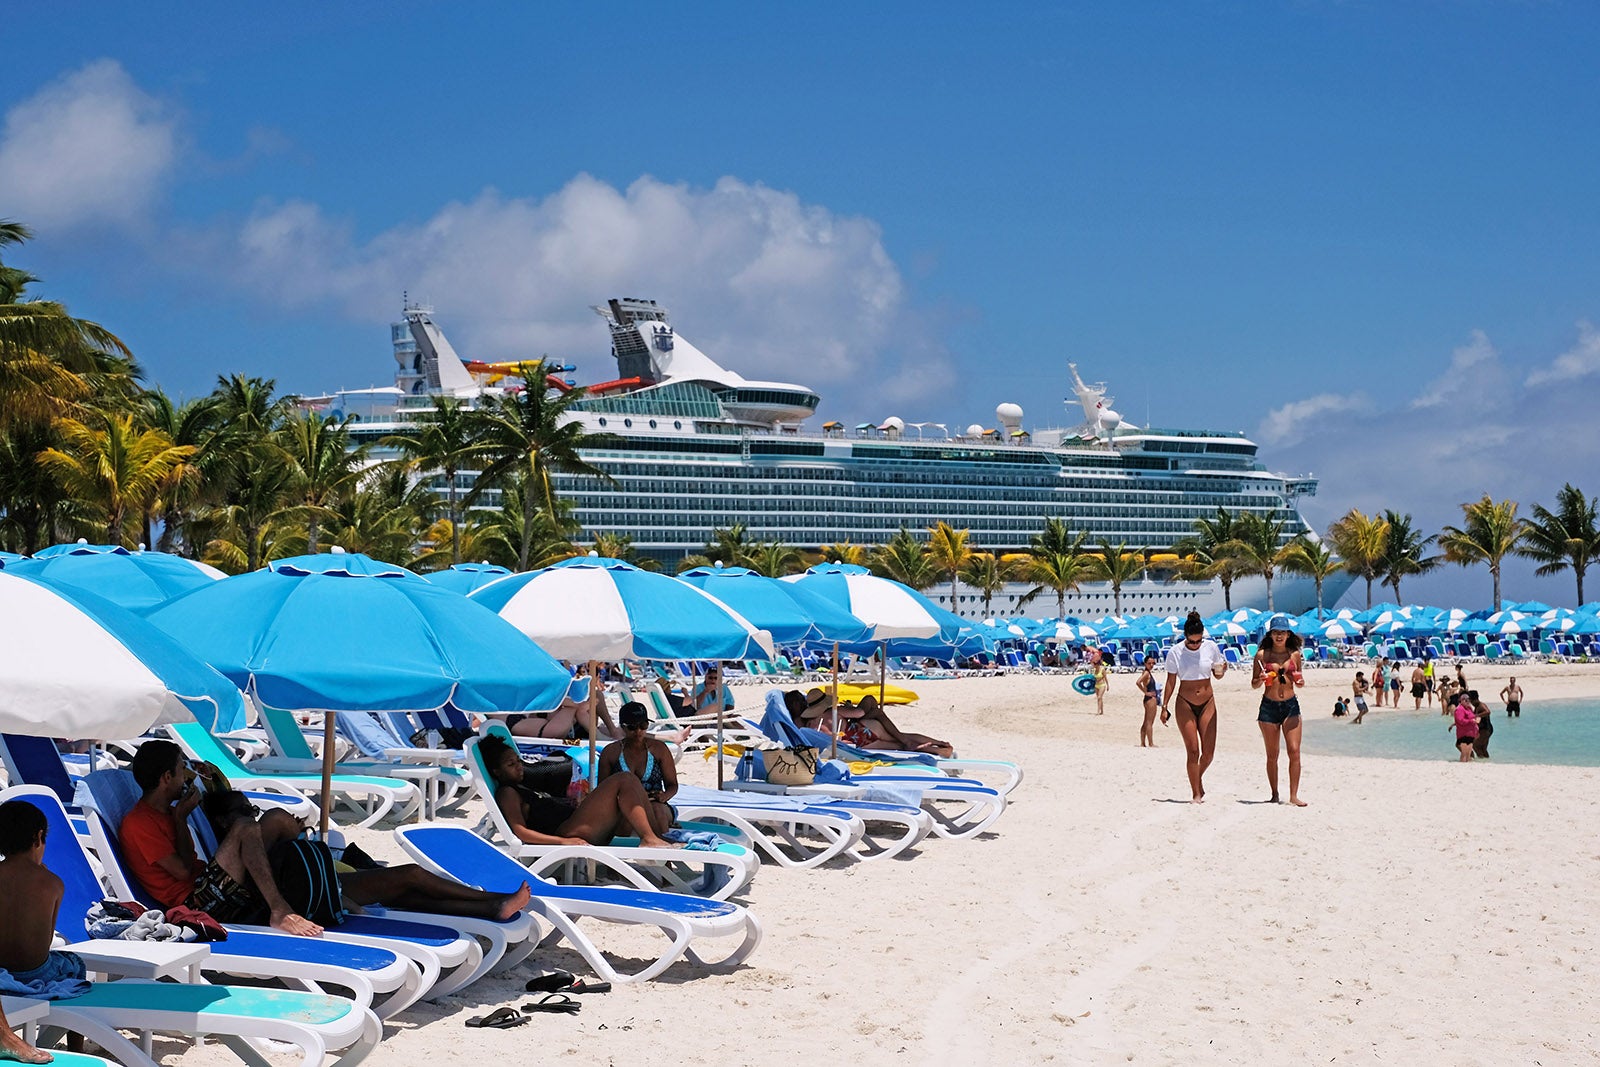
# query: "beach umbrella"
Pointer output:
{"type": "Point", "coordinates": [1559, 613]}
{"type": "Point", "coordinates": [1416, 627]}
{"type": "Point", "coordinates": [1533, 607]}
{"type": "Point", "coordinates": [1339, 630]}
{"type": "Point", "coordinates": [465, 578]}
{"type": "Point", "coordinates": [1504, 615]}
{"type": "Point", "coordinates": [590, 607]}
{"type": "Point", "coordinates": [1568, 623]}
{"type": "Point", "coordinates": [1070, 631]}
{"type": "Point", "coordinates": [1227, 628]}
{"type": "Point", "coordinates": [1514, 626]}
{"type": "Point", "coordinates": [137, 581]}
{"type": "Point", "coordinates": [10, 557]}
{"type": "Point", "coordinates": [76, 665]}
{"type": "Point", "coordinates": [340, 631]}
{"type": "Point", "coordinates": [1372, 613]}
{"type": "Point", "coordinates": [790, 612]}
{"type": "Point", "coordinates": [1582, 624]}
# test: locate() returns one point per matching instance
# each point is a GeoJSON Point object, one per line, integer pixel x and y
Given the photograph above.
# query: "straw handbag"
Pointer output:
{"type": "Point", "coordinates": [790, 766]}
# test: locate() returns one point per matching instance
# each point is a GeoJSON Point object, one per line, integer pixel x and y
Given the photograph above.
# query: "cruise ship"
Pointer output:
{"type": "Point", "coordinates": [693, 447]}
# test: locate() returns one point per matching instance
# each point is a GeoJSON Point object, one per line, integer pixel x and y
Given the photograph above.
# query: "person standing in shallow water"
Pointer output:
{"type": "Point", "coordinates": [1278, 672]}
{"type": "Point", "coordinates": [1512, 695]}
{"type": "Point", "coordinates": [1191, 665]}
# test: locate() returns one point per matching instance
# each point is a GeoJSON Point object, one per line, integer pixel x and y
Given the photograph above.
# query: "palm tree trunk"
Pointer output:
{"type": "Point", "coordinates": [313, 528]}
{"type": "Point", "coordinates": [1579, 572]}
{"type": "Point", "coordinates": [169, 530]}
{"type": "Point", "coordinates": [1227, 593]}
{"type": "Point", "coordinates": [952, 591]}
{"type": "Point", "coordinates": [1369, 592]}
{"type": "Point", "coordinates": [1268, 575]}
{"type": "Point", "coordinates": [455, 518]}
{"type": "Point", "coordinates": [1061, 602]}
{"type": "Point", "coordinates": [1319, 597]}
{"type": "Point", "coordinates": [527, 527]}
{"type": "Point", "coordinates": [252, 550]}
{"type": "Point", "coordinates": [1116, 597]}
{"type": "Point", "coordinates": [149, 529]}
{"type": "Point", "coordinates": [1494, 569]}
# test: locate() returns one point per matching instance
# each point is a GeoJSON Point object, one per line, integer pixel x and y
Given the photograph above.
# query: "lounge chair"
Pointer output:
{"type": "Point", "coordinates": [450, 951]}
{"type": "Point", "coordinates": [382, 793]}
{"type": "Point", "coordinates": [717, 873]}
{"type": "Point", "coordinates": [314, 1022]}
{"type": "Point", "coordinates": [454, 852]}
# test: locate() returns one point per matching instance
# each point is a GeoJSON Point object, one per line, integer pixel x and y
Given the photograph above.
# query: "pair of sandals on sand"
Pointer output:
{"type": "Point", "coordinates": [556, 987]}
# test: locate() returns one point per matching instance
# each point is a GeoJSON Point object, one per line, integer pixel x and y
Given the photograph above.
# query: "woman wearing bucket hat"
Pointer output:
{"type": "Point", "coordinates": [1278, 671]}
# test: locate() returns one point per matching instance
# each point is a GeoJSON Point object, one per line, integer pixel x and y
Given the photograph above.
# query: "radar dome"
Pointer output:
{"type": "Point", "coordinates": [1010, 412]}
{"type": "Point", "coordinates": [1110, 419]}
{"type": "Point", "coordinates": [893, 426]}
{"type": "Point", "coordinates": [974, 430]}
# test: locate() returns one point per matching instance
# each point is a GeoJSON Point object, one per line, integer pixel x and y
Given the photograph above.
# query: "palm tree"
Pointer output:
{"type": "Point", "coordinates": [1208, 552]}
{"type": "Point", "coordinates": [262, 484]}
{"type": "Point", "coordinates": [387, 516]}
{"type": "Point", "coordinates": [445, 441]}
{"type": "Point", "coordinates": [949, 550]}
{"type": "Point", "coordinates": [197, 424]}
{"type": "Point", "coordinates": [118, 469]}
{"type": "Point", "coordinates": [1406, 551]}
{"type": "Point", "coordinates": [1312, 559]}
{"type": "Point", "coordinates": [985, 573]}
{"type": "Point", "coordinates": [1255, 549]}
{"type": "Point", "coordinates": [729, 546]}
{"type": "Point", "coordinates": [1566, 537]}
{"type": "Point", "coordinates": [905, 559]}
{"type": "Point", "coordinates": [325, 467]}
{"type": "Point", "coordinates": [1056, 536]}
{"type": "Point", "coordinates": [541, 539]}
{"type": "Point", "coordinates": [844, 552]}
{"type": "Point", "coordinates": [44, 351]}
{"type": "Point", "coordinates": [1490, 532]}
{"type": "Point", "coordinates": [1118, 565]}
{"type": "Point", "coordinates": [36, 510]}
{"type": "Point", "coordinates": [533, 432]}
{"type": "Point", "coordinates": [1057, 571]}
{"type": "Point", "coordinates": [1361, 541]}
{"type": "Point", "coordinates": [775, 559]}
{"type": "Point", "coordinates": [620, 546]}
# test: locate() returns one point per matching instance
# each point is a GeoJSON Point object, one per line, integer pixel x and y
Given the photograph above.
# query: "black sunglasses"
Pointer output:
{"type": "Point", "coordinates": [635, 725]}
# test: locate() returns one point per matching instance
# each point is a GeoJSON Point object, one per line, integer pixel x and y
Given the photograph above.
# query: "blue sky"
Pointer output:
{"type": "Point", "coordinates": [1365, 233]}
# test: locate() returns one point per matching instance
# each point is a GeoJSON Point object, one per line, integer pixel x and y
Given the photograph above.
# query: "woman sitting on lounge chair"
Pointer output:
{"type": "Point", "coordinates": [865, 724]}
{"type": "Point", "coordinates": [617, 805]}
{"type": "Point", "coordinates": [645, 757]}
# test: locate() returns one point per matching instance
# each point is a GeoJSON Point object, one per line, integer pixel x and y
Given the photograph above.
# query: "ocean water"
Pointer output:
{"type": "Point", "coordinates": [1565, 732]}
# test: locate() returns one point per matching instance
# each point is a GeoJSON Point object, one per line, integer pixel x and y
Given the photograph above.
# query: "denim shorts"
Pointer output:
{"type": "Point", "coordinates": [1277, 712]}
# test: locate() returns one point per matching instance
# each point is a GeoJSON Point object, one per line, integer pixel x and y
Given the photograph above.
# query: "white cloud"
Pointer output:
{"type": "Point", "coordinates": [770, 285]}
{"type": "Point", "coordinates": [1475, 379]}
{"type": "Point", "coordinates": [91, 147]}
{"type": "Point", "coordinates": [1296, 420]}
{"type": "Point", "coordinates": [1582, 360]}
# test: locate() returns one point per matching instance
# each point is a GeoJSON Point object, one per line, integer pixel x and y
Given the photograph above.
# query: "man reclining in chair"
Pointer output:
{"type": "Point", "coordinates": [32, 895]}
{"type": "Point", "coordinates": [238, 885]}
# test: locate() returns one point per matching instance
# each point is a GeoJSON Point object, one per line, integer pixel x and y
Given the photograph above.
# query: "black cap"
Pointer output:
{"type": "Point", "coordinates": [633, 713]}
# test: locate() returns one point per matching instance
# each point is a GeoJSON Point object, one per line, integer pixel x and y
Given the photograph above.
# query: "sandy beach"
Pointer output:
{"type": "Point", "coordinates": [1414, 912]}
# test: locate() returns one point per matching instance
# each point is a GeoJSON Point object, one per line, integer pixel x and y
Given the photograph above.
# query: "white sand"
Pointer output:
{"type": "Point", "coordinates": [1415, 912]}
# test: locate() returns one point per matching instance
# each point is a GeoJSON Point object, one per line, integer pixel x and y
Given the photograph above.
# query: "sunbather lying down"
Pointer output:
{"type": "Point", "coordinates": [863, 724]}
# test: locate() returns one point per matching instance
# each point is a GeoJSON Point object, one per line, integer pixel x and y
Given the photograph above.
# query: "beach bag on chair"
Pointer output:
{"type": "Point", "coordinates": [306, 876]}
{"type": "Point", "coordinates": [790, 766]}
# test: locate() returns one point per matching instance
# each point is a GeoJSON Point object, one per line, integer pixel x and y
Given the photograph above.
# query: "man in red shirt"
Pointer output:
{"type": "Point", "coordinates": [160, 852]}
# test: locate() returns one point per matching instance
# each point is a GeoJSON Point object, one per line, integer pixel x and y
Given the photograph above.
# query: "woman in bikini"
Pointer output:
{"type": "Point", "coordinates": [573, 720]}
{"type": "Point", "coordinates": [617, 806]}
{"type": "Point", "coordinates": [1191, 665]}
{"type": "Point", "coordinates": [1150, 693]}
{"type": "Point", "coordinates": [866, 725]}
{"type": "Point", "coordinates": [646, 758]}
{"type": "Point", "coordinates": [1277, 671]}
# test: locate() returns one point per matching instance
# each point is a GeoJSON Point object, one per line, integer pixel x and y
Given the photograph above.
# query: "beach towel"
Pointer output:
{"type": "Point", "coordinates": [111, 920]}
{"type": "Point", "coordinates": [59, 977]}
{"type": "Point", "coordinates": [698, 840]}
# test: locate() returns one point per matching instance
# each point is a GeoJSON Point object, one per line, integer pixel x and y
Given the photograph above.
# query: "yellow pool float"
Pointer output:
{"type": "Point", "coordinates": [892, 694]}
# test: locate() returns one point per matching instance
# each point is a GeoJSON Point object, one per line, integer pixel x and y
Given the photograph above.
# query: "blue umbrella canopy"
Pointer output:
{"type": "Point", "coordinates": [343, 632]}
{"type": "Point", "coordinates": [137, 581]}
{"type": "Point", "coordinates": [596, 608]}
{"type": "Point", "coordinates": [789, 611]}
{"type": "Point", "coordinates": [10, 557]}
{"type": "Point", "coordinates": [467, 578]}
{"type": "Point", "coordinates": [77, 665]}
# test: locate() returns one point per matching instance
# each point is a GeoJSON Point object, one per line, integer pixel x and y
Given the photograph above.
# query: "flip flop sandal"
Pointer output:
{"type": "Point", "coordinates": [580, 986]}
{"type": "Point", "coordinates": [499, 1019]}
{"type": "Point", "coordinates": [554, 982]}
{"type": "Point", "coordinates": [554, 1002]}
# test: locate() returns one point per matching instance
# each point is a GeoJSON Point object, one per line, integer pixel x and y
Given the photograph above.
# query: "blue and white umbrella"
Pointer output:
{"type": "Point", "coordinates": [343, 632]}
{"type": "Point", "coordinates": [467, 578]}
{"type": "Point", "coordinates": [76, 665]}
{"type": "Point", "coordinates": [1068, 630]}
{"type": "Point", "coordinates": [1582, 624]}
{"type": "Point", "coordinates": [1339, 630]}
{"type": "Point", "coordinates": [893, 609]}
{"type": "Point", "coordinates": [591, 607]}
{"type": "Point", "coordinates": [137, 581]}
{"type": "Point", "coordinates": [1505, 615]}
{"type": "Point", "coordinates": [791, 612]}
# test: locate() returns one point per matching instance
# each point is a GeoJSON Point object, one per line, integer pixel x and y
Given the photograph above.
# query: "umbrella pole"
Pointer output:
{"type": "Point", "coordinates": [718, 698]}
{"type": "Point", "coordinates": [594, 716]}
{"type": "Point", "coordinates": [834, 703]}
{"type": "Point", "coordinates": [327, 770]}
{"type": "Point", "coordinates": [883, 670]}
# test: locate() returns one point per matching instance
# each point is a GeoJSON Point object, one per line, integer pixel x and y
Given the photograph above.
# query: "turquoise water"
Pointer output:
{"type": "Point", "coordinates": [1563, 732]}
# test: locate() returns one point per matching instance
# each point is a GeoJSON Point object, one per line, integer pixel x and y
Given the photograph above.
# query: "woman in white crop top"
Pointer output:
{"type": "Point", "coordinates": [1191, 665]}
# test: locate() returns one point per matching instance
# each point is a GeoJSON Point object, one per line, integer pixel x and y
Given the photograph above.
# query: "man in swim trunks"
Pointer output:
{"type": "Point", "coordinates": [1278, 672]}
{"type": "Point", "coordinates": [1358, 689]}
{"type": "Point", "coordinates": [1419, 685]}
{"type": "Point", "coordinates": [1512, 695]}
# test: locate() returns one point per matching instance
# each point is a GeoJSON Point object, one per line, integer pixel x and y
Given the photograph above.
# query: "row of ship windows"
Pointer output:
{"type": "Point", "coordinates": [672, 527]}
{"type": "Point", "coordinates": [1087, 504]}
